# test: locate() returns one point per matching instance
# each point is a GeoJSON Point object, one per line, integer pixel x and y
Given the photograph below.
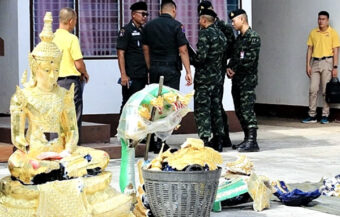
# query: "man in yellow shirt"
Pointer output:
{"type": "Point", "coordinates": [72, 67]}
{"type": "Point", "coordinates": [321, 65]}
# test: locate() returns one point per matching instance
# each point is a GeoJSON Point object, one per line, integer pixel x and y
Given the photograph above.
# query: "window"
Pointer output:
{"type": "Point", "coordinates": [99, 20]}
{"type": "Point", "coordinates": [39, 8]}
{"type": "Point", "coordinates": [98, 27]}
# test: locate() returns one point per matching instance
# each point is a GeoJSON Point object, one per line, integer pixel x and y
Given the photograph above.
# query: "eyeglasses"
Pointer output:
{"type": "Point", "coordinates": [144, 14]}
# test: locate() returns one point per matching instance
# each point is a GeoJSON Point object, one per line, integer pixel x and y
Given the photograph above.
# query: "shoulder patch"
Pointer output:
{"type": "Point", "coordinates": [121, 32]}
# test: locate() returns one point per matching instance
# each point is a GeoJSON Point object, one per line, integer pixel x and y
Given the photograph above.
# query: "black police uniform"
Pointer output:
{"type": "Point", "coordinates": [130, 40]}
{"type": "Point", "coordinates": [164, 35]}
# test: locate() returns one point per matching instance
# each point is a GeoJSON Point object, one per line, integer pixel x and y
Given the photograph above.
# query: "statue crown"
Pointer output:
{"type": "Point", "coordinates": [46, 49]}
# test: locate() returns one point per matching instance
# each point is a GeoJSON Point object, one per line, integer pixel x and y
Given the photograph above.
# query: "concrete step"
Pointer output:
{"type": "Point", "coordinates": [95, 133]}
{"type": "Point", "coordinates": [5, 151]}
{"type": "Point", "coordinates": [115, 149]}
{"type": "Point", "coordinates": [90, 132]}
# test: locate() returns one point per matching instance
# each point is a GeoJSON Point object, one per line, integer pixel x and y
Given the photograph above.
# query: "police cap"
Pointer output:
{"type": "Point", "coordinates": [208, 12]}
{"type": "Point", "coordinates": [204, 5]}
{"type": "Point", "coordinates": [235, 13]}
{"type": "Point", "coordinates": [139, 6]}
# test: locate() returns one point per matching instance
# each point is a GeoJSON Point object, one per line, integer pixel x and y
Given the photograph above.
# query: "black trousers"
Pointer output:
{"type": "Point", "coordinates": [170, 72]}
{"type": "Point", "coordinates": [66, 83]}
{"type": "Point", "coordinates": [136, 85]}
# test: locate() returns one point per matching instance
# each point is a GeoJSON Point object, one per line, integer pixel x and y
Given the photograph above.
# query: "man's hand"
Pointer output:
{"type": "Point", "coordinates": [85, 77]}
{"type": "Point", "coordinates": [188, 78]}
{"type": "Point", "coordinates": [334, 73]}
{"type": "Point", "coordinates": [230, 73]}
{"type": "Point", "coordinates": [309, 71]}
{"type": "Point", "coordinates": [125, 80]}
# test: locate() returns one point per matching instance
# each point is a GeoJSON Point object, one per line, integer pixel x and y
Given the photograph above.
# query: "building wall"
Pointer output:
{"type": "Point", "coordinates": [9, 62]}
{"type": "Point", "coordinates": [102, 94]}
{"type": "Point", "coordinates": [284, 27]}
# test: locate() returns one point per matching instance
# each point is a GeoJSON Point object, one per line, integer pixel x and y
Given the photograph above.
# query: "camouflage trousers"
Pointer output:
{"type": "Point", "coordinates": [207, 110]}
{"type": "Point", "coordinates": [224, 115]}
{"type": "Point", "coordinates": [244, 101]}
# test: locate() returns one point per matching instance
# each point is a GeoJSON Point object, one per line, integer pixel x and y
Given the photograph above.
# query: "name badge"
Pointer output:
{"type": "Point", "coordinates": [242, 55]}
{"type": "Point", "coordinates": [135, 33]}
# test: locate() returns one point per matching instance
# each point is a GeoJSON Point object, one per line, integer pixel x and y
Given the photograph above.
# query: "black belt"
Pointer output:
{"type": "Point", "coordinates": [322, 58]}
{"type": "Point", "coordinates": [161, 63]}
{"type": "Point", "coordinates": [69, 77]}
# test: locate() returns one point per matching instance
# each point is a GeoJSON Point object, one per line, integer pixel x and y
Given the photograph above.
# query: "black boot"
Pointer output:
{"type": "Point", "coordinates": [227, 141]}
{"type": "Point", "coordinates": [219, 144]}
{"type": "Point", "coordinates": [206, 141]}
{"type": "Point", "coordinates": [245, 131]}
{"type": "Point", "coordinates": [251, 144]}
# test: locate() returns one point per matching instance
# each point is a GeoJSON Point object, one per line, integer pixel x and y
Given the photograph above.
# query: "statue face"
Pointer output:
{"type": "Point", "coordinates": [47, 74]}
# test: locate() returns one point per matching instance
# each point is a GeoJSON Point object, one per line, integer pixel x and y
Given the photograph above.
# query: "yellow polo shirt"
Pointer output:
{"type": "Point", "coordinates": [69, 45]}
{"type": "Point", "coordinates": [323, 42]}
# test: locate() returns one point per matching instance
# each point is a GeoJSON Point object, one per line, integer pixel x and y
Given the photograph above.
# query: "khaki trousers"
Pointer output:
{"type": "Point", "coordinates": [321, 73]}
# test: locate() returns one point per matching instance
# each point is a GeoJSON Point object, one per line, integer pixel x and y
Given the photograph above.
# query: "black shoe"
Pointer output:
{"type": "Point", "coordinates": [157, 147]}
{"type": "Point", "coordinates": [226, 141]}
{"type": "Point", "coordinates": [219, 144]}
{"type": "Point", "coordinates": [250, 145]}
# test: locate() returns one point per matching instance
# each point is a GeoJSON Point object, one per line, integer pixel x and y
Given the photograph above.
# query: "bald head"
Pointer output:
{"type": "Point", "coordinates": [66, 14]}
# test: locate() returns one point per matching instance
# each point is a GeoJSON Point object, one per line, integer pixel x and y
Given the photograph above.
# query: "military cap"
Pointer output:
{"type": "Point", "coordinates": [208, 12]}
{"type": "Point", "coordinates": [235, 13]}
{"type": "Point", "coordinates": [139, 6]}
{"type": "Point", "coordinates": [167, 1]}
{"type": "Point", "coordinates": [204, 5]}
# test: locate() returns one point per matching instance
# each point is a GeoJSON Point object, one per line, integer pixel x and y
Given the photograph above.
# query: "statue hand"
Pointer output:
{"type": "Point", "coordinates": [49, 156]}
{"type": "Point", "coordinates": [65, 153]}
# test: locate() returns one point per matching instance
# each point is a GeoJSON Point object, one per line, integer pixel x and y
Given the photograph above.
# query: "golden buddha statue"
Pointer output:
{"type": "Point", "coordinates": [48, 150]}
{"type": "Point", "coordinates": [50, 112]}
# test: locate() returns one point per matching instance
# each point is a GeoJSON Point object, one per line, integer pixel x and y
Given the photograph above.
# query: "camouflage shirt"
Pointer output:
{"type": "Point", "coordinates": [211, 47]}
{"type": "Point", "coordinates": [245, 56]}
{"type": "Point", "coordinates": [228, 31]}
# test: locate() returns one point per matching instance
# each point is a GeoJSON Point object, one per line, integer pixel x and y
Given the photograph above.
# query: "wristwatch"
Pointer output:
{"type": "Point", "coordinates": [335, 67]}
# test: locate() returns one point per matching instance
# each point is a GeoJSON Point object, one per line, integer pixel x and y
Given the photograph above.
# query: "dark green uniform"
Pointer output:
{"type": "Point", "coordinates": [244, 62]}
{"type": "Point", "coordinates": [164, 35]}
{"type": "Point", "coordinates": [130, 40]}
{"type": "Point", "coordinates": [208, 79]}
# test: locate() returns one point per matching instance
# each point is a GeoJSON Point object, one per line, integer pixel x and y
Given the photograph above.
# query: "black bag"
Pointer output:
{"type": "Point", "coordinates": [333, 91]}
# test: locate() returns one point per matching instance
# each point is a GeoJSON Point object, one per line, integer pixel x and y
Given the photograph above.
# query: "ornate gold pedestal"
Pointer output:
{"type": "Point", "coordinates": [81, 197]}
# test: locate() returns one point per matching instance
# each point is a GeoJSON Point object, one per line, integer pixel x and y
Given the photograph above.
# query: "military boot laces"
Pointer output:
{"type": "Point", "coordinates": [250, 145]}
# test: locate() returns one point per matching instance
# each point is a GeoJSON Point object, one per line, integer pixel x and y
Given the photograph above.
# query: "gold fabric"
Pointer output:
{"type": "Point", "coordinates": [192, 152]}
{"type": "Point", "coordinates": [241, 166]}
{"type": "Point", "coordinates": [90, 196]}
{"type": "Point", "coordinates": [260, 190]}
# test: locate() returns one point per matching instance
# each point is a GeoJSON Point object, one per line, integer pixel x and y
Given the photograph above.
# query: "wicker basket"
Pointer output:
{"type": "Point", "coordinates": [181, 194]}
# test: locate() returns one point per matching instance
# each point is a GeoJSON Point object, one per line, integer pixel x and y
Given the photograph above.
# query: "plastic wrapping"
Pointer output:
{"type": "Point", "coordinates": [135, 122]}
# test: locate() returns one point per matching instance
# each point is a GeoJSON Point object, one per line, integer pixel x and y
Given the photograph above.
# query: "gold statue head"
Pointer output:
{"type": "Point", "coordinates": [45, 58]}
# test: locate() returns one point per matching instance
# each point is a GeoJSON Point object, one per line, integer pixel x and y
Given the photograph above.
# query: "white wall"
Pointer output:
{"type": "Point", "coordinates": [9, 62]}
{"type": "Point", "coordinates": [284, 27]}
{"type": "Point", "coordinates": [102, 95]}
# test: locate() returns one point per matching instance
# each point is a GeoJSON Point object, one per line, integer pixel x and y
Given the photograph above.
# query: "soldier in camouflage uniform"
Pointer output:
{"type": "Point", "coordinates": [229, 34]}
{"type": "Point", "coordinates": [208, 78]}
{"type": "Point", "coordinates": [242, 69]}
